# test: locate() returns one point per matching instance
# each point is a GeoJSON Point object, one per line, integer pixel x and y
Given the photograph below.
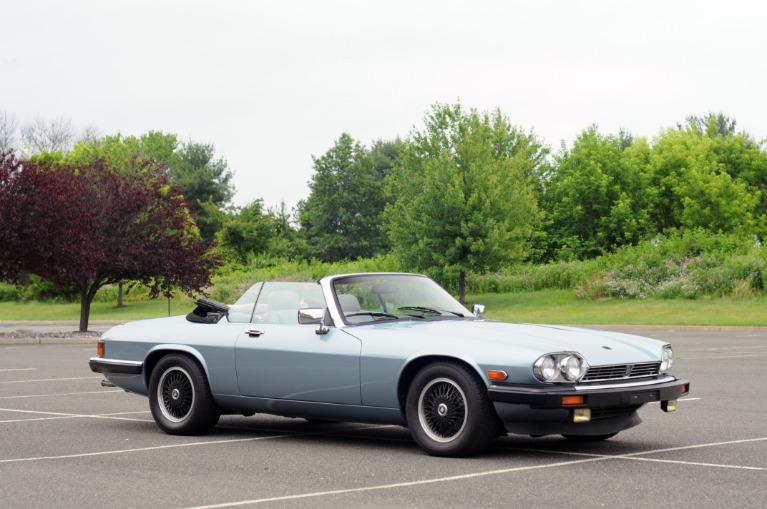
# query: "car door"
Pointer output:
{"type": "Point", "coordinates": [287, 361]}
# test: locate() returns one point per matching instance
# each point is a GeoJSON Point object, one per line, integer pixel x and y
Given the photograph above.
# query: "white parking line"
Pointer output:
{"type": "Point", "coordinates": [18, 369]}
{"type": "Point", "coordinates": [141, 449]}
{"type": "Point", "coordinates": [52, 379]}
{"type": "Point", "coordinates": [721, 348]}
{"type": "Point", "coordinates": [62, 394]}
{"type": "Point", "coordinates": [483, 474]}
{"type": "Point", "coordinates": [634, 456]}
{"type": "Point", "coordinates": [717, 357]}
{"type": "Point", "coordinates": [59, 415]}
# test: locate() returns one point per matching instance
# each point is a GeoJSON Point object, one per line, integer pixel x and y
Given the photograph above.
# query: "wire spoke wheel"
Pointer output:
{"type": "Point", "coordinates": [442, 410]}
{"type": "Point", "coordinates": [448, 412]}
{"type": "Point", "coordinates": [176, 393]}
{"type": "Point", "coordinates": [180, 397]}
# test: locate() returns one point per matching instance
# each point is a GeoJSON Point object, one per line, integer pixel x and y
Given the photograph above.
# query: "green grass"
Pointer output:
{"type": "Point", "coordinates": [562, 307]}
{"type": "Point", "coordinates": [547, 306]}
{"type": "Point", "coordinates": [134, 310]}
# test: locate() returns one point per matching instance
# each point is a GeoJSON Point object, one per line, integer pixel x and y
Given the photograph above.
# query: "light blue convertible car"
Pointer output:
{"type": "Point", "coordinates": [386, 348]}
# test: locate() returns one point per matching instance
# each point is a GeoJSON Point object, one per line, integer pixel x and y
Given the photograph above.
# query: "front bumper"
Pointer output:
{"type": "Point", "coordinates": [102, 365]}
{"type": "Point", "coordinates": [593, 396]}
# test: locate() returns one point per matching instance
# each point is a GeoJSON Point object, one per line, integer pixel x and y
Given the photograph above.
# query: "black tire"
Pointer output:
{"type": "Point", "coordinates": [180, 398]}
{"type": "Point", "coordinates": [589, 438]}
{"type": "Point", "coordinates": [448, 412]}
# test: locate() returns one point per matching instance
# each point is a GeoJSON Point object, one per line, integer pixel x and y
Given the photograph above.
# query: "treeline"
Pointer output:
{"type": "Point", "coordinates": [470, 198]}
{"type": "Point", "coordinates": [471, 193]}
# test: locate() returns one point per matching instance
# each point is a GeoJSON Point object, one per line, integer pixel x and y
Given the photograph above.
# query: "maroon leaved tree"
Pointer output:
{"type": "Point", "coordinates": [94, 225]}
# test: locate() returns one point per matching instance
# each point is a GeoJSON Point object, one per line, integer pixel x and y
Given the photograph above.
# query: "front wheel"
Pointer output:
{"type": "Point", "coordinates": [180, 397]}
{"type": "Point", "coordinates": [448, 412]}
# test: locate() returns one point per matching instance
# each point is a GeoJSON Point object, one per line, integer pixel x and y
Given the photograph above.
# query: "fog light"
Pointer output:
{"type": "Point", "coordinates": [668, 406]}
{"type": "Point", "coordinates": [581, 415]}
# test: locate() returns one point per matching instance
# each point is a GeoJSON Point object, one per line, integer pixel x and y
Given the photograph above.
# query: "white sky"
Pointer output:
{"type": "Point", "coordinates": [271, 83]}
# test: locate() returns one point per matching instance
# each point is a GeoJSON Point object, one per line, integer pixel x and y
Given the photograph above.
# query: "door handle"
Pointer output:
{"type": "Point", "coordinates": [255, 332]}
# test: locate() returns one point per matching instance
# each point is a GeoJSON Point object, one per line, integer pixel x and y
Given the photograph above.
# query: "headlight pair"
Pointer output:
{"type": "Point", "coordinates": [560, 367]}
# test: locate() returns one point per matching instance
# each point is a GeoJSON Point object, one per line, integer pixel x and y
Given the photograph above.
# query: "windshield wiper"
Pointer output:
{"type": "Point", "coordinates": [429, 310]}
{"type": "Point", "coordinates": [374, 314]}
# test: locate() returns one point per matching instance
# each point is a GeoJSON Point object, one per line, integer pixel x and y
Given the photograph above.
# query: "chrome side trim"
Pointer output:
{"type": "Point", "coordinates": [624, 385]}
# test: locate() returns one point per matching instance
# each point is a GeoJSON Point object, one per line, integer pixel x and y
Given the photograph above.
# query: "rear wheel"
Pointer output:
{"type": "Point", "coordinates": [448, 412]}
{"type": "Point", "coordinates": [180, 397]}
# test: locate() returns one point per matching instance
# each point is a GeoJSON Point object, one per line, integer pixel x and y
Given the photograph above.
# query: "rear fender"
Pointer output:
{"type": "Point", "coordinates": [159, 351]}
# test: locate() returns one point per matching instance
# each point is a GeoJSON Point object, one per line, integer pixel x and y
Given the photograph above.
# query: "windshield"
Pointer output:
{"type": "Point", "coordinates": [376, 297]}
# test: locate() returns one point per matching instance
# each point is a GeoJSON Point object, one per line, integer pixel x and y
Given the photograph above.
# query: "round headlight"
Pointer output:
{"type": "Point", "coordinates": [667, 359]}
{"type": "Point", "coordinates": [545, 368]}
{"type": "Point", "coordinates": [571, 367]}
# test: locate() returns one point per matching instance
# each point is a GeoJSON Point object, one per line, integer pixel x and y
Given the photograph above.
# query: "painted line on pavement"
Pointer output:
{"type": "Point", "coordinates": [52, 380]}
{"type": "Point", "coordinates": [57, 395]}
{"type": "Point", "coordinates": [467, 476]}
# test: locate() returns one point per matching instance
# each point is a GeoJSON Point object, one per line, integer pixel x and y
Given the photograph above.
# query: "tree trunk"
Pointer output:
{"type": "Point", "coordinates": [120, 295]}
{"type": "Point", "coordinates": [462, 287]}
{"type": "Point", "coordinates": [85, 309]}
{"type": "Point", "coordinates": [87, 293]}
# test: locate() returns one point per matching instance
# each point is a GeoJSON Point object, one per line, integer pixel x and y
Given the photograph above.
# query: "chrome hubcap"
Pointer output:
{"type": "Point", "coordinates": [175, 394]}
{"type": "Point", "coordinates": [442, 410]}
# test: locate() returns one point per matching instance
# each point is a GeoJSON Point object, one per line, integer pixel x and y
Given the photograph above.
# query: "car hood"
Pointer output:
{"type": "Point", "coordinates": [529, 341]}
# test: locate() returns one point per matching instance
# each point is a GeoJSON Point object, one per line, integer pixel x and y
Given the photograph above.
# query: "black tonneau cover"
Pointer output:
{"type": "Point", "coordinates": [208, 311]}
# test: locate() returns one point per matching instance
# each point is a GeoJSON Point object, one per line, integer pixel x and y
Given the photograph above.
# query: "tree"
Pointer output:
{"type": "Point", "coordinates": [247, 232]}
{"type": "Point", "coordinates": [596, 195]}
{"type": "Point", "coordinates": [698, 185]}
{"type": "Point", "coordinates": [341, 219]}
{"type": "Point", "coordinates": [463, 198]}
{"type": "Point", "coordinates": [56, 135]}
{"type": "Point", "coordinates": [87, 226]}
{"type": "Point", "coordinates": [204, 179]}
{"type": "Point", "coordinates": [8, 140]}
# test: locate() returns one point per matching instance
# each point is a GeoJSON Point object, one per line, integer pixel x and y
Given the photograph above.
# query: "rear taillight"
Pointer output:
{"type": "Point", "coordinates": [100, 348]}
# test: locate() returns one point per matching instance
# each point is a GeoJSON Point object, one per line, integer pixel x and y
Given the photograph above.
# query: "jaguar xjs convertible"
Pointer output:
{"type": "Point", "coordinates": [386, 348]}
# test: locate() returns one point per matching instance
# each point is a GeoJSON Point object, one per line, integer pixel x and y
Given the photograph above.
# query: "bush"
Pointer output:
{"type": "Point", "coordinates": [681, 265]}
{"type": "Point", "coordinates": [559, 276]}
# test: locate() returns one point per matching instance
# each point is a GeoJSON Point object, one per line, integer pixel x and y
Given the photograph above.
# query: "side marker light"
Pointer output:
{"type": "Point", "coordinates": [497, 375]}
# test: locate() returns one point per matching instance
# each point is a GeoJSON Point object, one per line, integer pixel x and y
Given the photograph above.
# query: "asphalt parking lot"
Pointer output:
{"type": "Point", "coordinates": [67, 442]}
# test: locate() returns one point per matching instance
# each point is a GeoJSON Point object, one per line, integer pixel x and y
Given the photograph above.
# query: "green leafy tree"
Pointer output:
{"type": "Point", "coordinates": [596, 195]}
{"type": "Point", "coordinates": [463, 199]}
{"type": "Point", "coordinates": [341, 218]}
{"type": "Point", "coordinates": [698, 186]}
{"type": "Point", "coordinates": [205, 179]}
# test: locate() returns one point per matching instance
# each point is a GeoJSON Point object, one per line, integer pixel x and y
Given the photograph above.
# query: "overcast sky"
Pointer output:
{"type": "Point", "coordinates": [272, 83]}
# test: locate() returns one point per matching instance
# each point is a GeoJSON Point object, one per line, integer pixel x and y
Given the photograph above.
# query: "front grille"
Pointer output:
{"type": "Point", "coordinates": [621, 371]}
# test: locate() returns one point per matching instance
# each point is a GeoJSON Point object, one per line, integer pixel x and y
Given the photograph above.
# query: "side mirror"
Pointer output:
{"type": "Point", "coordinates": [315, 316]}
{"type": "Point", "coordinates": [310, 316]}
{"type": "Point", "coordinates": [479, 311]}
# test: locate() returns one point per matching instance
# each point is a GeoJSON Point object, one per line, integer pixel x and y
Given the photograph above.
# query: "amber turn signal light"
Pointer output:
{"type": "Point", "coordinates": [100, 348]}
{"type": "Point", "coordinates": [497, 375]}
{"type": "Point", "coordinates": [572, 400]}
